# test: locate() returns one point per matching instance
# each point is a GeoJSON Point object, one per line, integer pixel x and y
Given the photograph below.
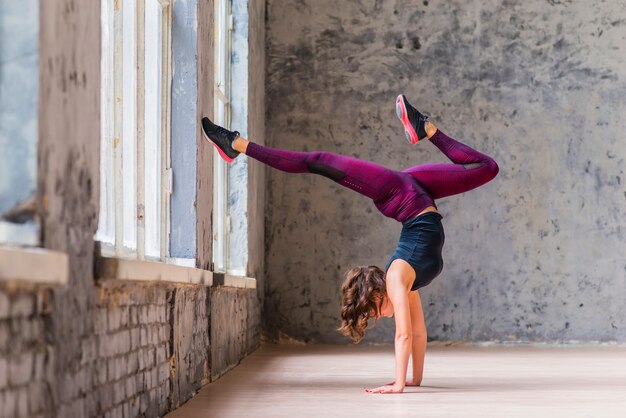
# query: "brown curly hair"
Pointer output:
{"type": "Point", "coordinates": [361, 299]}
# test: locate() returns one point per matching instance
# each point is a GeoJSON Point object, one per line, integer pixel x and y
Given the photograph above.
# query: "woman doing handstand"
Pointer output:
{"type": "Point", "coordinates": [407, 196]}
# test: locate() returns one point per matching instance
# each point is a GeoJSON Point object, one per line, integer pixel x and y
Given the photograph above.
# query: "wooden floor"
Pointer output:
{"type": "Point", "coordinates": [329, 381]}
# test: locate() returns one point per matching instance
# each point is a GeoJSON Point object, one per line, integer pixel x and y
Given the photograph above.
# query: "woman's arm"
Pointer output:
{"type": "Point", "coordinates": [398, 283]}
{"type": "Point", "coordinates": [418, 347]}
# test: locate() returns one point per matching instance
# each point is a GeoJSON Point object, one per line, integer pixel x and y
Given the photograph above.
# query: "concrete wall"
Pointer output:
{"type": "Point", "coordinates": [256, 130]}
{"type": "Point", "coordinates": [535, 255]}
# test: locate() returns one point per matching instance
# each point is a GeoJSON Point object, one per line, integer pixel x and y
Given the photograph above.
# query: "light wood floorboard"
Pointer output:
{"type": "Point", "coordinates": [460, 381]}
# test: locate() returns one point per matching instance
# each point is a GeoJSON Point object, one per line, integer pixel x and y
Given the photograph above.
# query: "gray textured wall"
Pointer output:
{"type": "Point", "coordinates": [537, 254]}
{"type": "Point", "coordinates": [256, 130]}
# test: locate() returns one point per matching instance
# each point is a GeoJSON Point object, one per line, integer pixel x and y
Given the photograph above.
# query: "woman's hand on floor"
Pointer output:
{"type": "Point", "coordinates": [393, 388]}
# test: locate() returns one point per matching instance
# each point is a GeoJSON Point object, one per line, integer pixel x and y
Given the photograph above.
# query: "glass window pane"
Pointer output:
{"type": "Point", "coordinates": [129, 127]}
{"type": "Point", "coordinates": [153, 73]}
{"type": "Point", "coordinates": [106, 227]}
{"type": "Point", "coordinates": [19, 80]}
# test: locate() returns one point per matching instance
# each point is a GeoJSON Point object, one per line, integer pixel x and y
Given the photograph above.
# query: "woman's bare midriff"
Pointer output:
{"type": "Point", "coordinates": [428, 209]}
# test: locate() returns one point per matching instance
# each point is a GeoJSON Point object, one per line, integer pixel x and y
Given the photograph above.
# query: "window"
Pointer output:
{"type": "Point", "coordinates": [230, 238]}
{"type": "Point", "coordinates": [221, 221]}
{"type": "Point", "coordinates": [19, 83]}
{"type": "Point", "coordinates": [135, 175]}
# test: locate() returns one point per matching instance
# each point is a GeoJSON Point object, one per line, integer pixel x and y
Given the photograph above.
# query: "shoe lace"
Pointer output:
{"type": "Point", "coordinates": [222, 130]}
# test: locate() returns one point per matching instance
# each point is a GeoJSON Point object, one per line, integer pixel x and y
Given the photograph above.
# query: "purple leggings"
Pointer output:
{"type": "Point", "coordinates": [400, 195]}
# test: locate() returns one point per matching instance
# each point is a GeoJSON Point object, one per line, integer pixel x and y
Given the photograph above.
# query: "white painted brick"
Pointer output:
{"type": "Point", "coordinates": [5, 333]}
{"type": "Point", "coordinates": [144, 336]}
{"type": "Point", "coordinates": [8, 403]}
{"type": "Point", "coordinates": [144, 402]}
{"type": "Point", "coordinates": [134, 407]}
{"type": "Point", "coordinates": [105, 397]}
{"type": "Point", "coordinates": [133, 315]}
{"type": "Point", "coordinates": [132, 363]}
{"type": "Point", "coordinates": [139, 381]}
{"type": "Point", "coordinates": [162, 314]}
{"type": "Point", "coordinates": [117, 412]}
{"type": "Point", "coordinates": [120, 367]}
{"type": "Point", "coordinates": [40, 364]}
{"type": "Point", "coordinates": [135, 338]}
{"type": "Point", "coordinates": [5, 305]}
{"type": "Point", "coordinates": [154, 376]}
{"type": "Point", "coordinates": [154, 333]}
{"type": "Point", "coordinates": [3, 373]}
{"type": "Point", "coordinates": [143, 316]}
{"type": "Point", "coordinates": [20, 369]}
{"type": "Point", "coordinates": [124, 317]}
{"type": "Point", "coordinates": [105, 346]}
{"type": "Point", "coordinates": [113, 371]}
{"type": "Point", "coordinates": [126, 410]}
{"type": "Point", "coordinates": [88, 350]}
{"type": "Point", "coordinates": [101, 371]}
{"type": "Point", "coordinates": [22, 404]}
{"type": "Point", "coordinates": [68, 388]}
{"type": "Point", "coordinates": [101, 321]}
{"type": "Point", "coordinates": [124, 342]}
{"type": "Point", "coordinates": [164, 371]}
{"type": "Point", "coordinates": [160, 354]}
{"type": "Point", "coordinates": [152, 314]}
{"type": "Point", "coordinates": [150, 357]}
{"type": "Point", "coordinates": [119, 391]}
{"type": "Point", "coordinates": [147, 378]}
{"type": "Point", "coordinates": [114, 319]}
{"type": "Point", "coordinates": [131, 387]}
{"type": "Point", "coordinates": [36, 399]}
{"type": "Point", "coordinates": [141, 359]}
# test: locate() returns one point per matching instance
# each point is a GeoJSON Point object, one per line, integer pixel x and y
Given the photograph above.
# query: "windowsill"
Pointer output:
{"type": "Point", "coordinates": [227, 280]}
{"type": "Point", "coordinates": [155, 271]}
{"type": "Point", "coordinates": [33, 266]}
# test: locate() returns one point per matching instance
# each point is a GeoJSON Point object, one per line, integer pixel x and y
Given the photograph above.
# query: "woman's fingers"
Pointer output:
{"type": "Point", "coordinates": [380, 389]}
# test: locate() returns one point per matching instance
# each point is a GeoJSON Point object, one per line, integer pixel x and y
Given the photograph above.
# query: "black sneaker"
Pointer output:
{"type": "Point", "coordinates": [222, 139]}
{"type": "Point", "coordinates": [412, 120]}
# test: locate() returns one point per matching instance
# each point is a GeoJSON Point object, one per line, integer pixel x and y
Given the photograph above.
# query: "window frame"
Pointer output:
{"type": "Point", "coordinates": [222, 114]}
{"type": "Point", "coordinates": [110, 233]}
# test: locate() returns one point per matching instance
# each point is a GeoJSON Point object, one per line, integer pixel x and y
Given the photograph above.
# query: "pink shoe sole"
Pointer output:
{"type": "Point", "coordinates": [409, 132]}
{"type": "Point", "coordinates": [222, 154]}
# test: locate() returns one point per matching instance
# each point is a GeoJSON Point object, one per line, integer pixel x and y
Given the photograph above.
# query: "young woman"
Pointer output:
{"type": "Point", "coordinates": [407, 196]}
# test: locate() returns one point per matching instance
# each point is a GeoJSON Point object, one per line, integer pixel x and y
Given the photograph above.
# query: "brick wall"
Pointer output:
{"type": "Point", "coordinates": [24, 352]}
{"type": "Point", "coordinates": [146, 350]}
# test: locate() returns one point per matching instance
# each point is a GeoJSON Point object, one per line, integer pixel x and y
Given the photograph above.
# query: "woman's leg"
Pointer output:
{"type": "Point", "coordinates": [470, 169]}
{"type": "Point", "coordinates": [364, 177]}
